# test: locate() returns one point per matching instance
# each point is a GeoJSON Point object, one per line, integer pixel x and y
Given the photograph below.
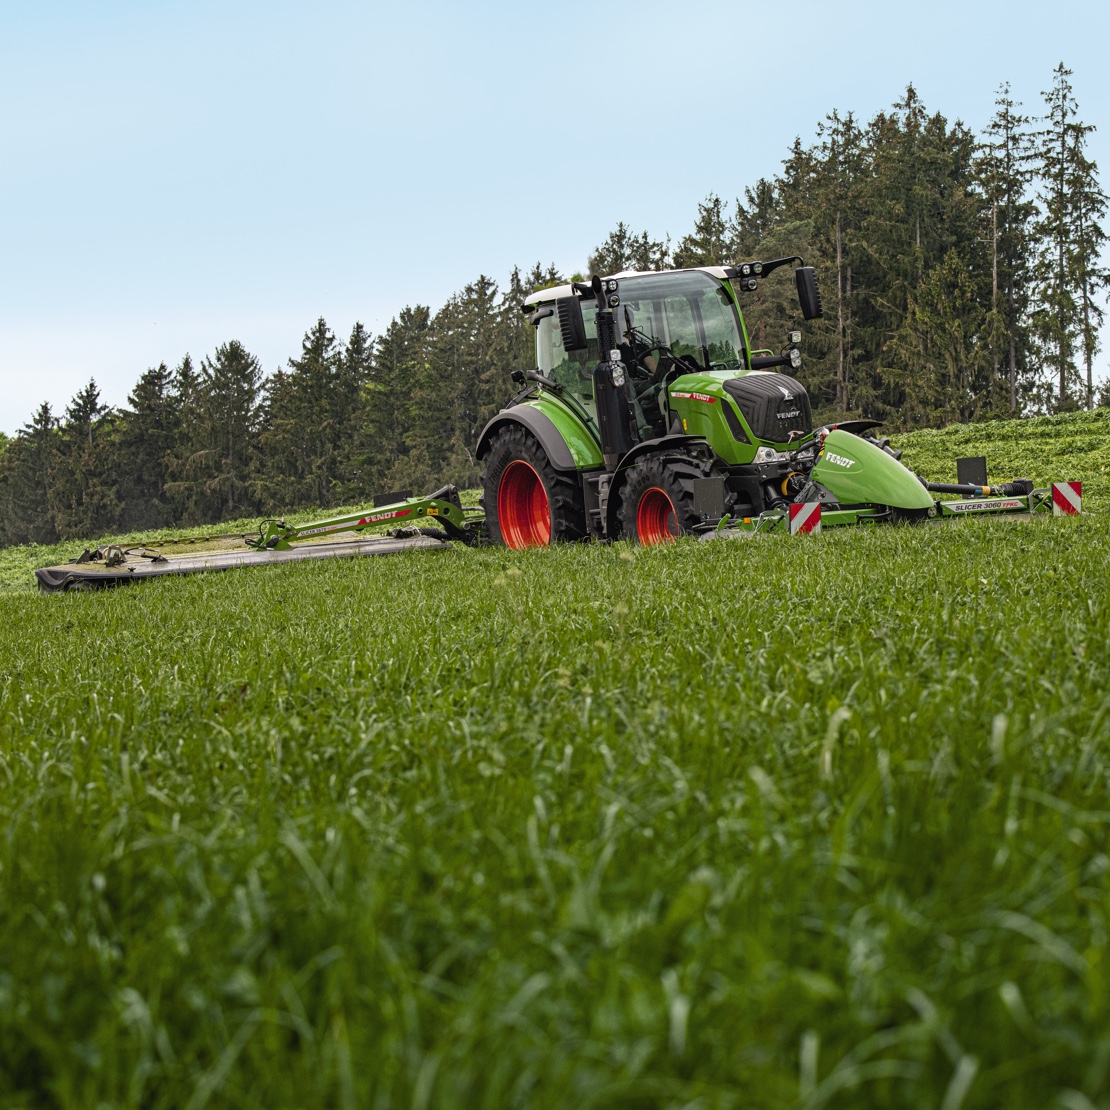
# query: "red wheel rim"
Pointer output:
{"type": "Point", "coordinates": [523, 510]}
{"type": "Point", "coordinates": [656, 521]}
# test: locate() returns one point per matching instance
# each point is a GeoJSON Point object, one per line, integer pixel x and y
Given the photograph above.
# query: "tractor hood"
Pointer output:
{"type": "Point", "coordinates": [858, 472]}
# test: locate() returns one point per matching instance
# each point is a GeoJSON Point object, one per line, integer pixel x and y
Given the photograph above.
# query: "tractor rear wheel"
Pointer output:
{"type": "Point", "coordinates": [657, 499]}
{"type": "Point", "coordinates": [528, 502]}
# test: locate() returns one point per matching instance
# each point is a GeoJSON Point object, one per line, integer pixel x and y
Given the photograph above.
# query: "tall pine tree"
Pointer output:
{"type": "Point", "coordinates": [1071, 280]}
{"type": "Point", "coordinates": [1004, 174]}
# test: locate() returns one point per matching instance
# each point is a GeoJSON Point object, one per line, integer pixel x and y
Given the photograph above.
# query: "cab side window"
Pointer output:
{"type": "Point", "coordinates": [574, 369]}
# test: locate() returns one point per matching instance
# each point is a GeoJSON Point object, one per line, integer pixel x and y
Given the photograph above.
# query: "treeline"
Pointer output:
{"type": "Point", "coordinates": [961, 277]}
{"type": "Point", "coordinates": [198, 444]}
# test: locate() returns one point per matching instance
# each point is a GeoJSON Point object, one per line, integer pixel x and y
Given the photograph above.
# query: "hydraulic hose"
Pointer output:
{"type": "Point", "coordinates": [1018, 488]}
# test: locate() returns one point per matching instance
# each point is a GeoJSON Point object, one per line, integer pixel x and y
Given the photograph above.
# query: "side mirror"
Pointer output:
{"type": "Point", "coordinates": [571, 324]}
{"type": "Point", "coordinates": [809, 297]}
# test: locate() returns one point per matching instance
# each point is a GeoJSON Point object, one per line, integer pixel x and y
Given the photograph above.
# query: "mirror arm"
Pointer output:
{"type": "Point", "coordinates": [768, 267]}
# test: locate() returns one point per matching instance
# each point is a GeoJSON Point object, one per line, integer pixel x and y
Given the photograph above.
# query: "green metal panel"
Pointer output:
{"type": "Point", "coordinates": [977, 506]}
{"type": "Point", "coordinates": [583, 444]}
{"type": "Point", "coordinates": [859, 472]}
{"type": "Point", "coordinates": [699, 400]}
{"type": "Point", "coordinates": [776, 520]}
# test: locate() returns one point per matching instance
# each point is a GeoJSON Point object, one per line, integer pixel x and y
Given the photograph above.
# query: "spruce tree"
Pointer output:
{"type": "Point", "coordinates": [299, 442]}
{"type": "Point", "coordinates": [1089, 276]}
{"type": "Point", "coordinates": [753, 221]}
{"type": "Point", "coordinates": [822, 187]}
{"type": "Point", "coordinates": [229, 396]}
{"type": "Point", "coordinates": [83, 499]}
{"type": "Point", "coordinates": [1071, 280]}
{"type": "Point", "coordinates": [1004, 173]}
{"type": "Point", "coordinates": [917, 204]}
{"type": "Point", "coordinates": [712, 242]}
{"type": "Point", "coordinates": [27, 470]}
{"type": "Point", "coordinates": [389, 408]}
{"type": "Point", "coordinates": [355, 371]}
{"type": "Point", "coordinates": [624, 249]}
{"type": "Point", "coordinates": [145, 440]}
{"type": "Point", "coordinates": [188, 455]}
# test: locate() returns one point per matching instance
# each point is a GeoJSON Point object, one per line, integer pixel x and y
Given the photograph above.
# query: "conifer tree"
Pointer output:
{"type": "Point", "coordinates": [229, 395]}
{"type": "Point", "coordinates": [1004, 176]}
{"type": "Point", "coordinates": [82, 499]}
{"type": "Point", "coordinates": [712, 242]}
{"type": "Point", "coordinates": [389, 411]}
{"type": "Point", "coordinates": [753, 221]}
{"type": "Point", "coordinates": [303, 424]}
{"type": "Point", "coordinates": [943, 370]}
{"type": "Point", "coordinates": [27, 470]}
{"type": "Point", "coordinates": [624, 249]}
{"type": "Point", "coordinates": [1090, 277]}
{"type": "Point", "coordinates": [823, 186]}
{"type": "Point", "coordinates": [145, 440]}
{"type": "Point", "coordinates": [183, 489]}
{"type": "Point", "coordinates": [356, 369]}
{"type": "Point", "coordinates": [1071, 280]}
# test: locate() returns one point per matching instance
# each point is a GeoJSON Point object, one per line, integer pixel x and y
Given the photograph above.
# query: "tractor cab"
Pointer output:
{"type": "Point", "coordinates": [667, 324]}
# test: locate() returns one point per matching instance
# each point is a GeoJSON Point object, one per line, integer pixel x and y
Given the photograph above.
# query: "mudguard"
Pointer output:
{"type": "Point", "coordinates": [551, 439]}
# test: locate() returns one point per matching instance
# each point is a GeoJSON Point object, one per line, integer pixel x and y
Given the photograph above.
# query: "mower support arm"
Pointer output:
{"type": "Point", "coordinates": [443, 506]}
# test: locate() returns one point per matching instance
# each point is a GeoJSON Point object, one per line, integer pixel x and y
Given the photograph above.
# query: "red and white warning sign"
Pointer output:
{"type": "Point", "coordinates": [1067, 498]}
{"type": "Point", "coordinates": [805, 519]}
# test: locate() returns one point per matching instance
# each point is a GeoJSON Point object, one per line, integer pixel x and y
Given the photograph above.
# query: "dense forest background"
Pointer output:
{"type": "Point", "coordinates": [961, 276]}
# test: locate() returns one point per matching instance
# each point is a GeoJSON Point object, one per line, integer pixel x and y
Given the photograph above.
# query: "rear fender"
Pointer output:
{"type": "Point", "coordinates": [568, 444]}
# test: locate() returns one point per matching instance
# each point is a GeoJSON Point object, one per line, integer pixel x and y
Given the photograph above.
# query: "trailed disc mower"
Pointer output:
{"type": "Point", "coordinates": [648, 417]}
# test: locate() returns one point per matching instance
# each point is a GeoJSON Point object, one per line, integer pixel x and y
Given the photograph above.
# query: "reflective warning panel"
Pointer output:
{"type": "Point", "coordinates": [1067, 498]}
{"type": "Point", "coordinates": [805, 519]}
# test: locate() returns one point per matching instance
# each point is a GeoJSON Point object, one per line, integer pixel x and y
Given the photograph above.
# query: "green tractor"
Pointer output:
{"type": "Point", "coordinates": [650, 416]}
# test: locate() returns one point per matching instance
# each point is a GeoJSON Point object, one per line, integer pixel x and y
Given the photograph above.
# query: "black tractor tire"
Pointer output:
{"type": "Point", "coordinates": [528, 503]}
{"type": "Point", "coordinates": [657, 499]}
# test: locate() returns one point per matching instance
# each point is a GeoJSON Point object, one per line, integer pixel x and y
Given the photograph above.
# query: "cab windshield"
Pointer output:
{"type": "Point", "coordinates": [688, 312]}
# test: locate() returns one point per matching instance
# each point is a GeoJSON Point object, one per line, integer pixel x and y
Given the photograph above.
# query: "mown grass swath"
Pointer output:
{"type": "Point", "coordinates": [813, 822]}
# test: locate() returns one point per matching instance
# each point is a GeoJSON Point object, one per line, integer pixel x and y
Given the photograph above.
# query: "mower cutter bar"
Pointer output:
{"type": "Point", "coordinates": [276, 542]}
{"type": "Point", "coordinates": [134, 565]}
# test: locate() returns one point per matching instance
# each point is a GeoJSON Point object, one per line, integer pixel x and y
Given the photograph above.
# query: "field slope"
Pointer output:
{"type": "Point", "coordinates": [812, 822]}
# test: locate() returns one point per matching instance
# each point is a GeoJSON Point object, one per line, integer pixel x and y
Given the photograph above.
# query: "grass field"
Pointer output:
{"type": "Point", "coordinates": [768, 823]}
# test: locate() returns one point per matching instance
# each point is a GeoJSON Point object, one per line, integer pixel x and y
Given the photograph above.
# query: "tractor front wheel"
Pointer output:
{"type": "Point", "coordinates": [528, 502]}
{"type": "Point", "coordinates": [657, 500]}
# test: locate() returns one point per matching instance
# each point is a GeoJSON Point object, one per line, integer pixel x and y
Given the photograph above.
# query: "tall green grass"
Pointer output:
{"type": "Point", "coordinates": [772, 822]}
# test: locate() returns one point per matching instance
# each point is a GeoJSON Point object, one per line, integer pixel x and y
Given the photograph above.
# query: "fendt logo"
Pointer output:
{"type": "Point", "coordinates": [839, 460]}
{"type": "Point", "coordinates": [793, 414]}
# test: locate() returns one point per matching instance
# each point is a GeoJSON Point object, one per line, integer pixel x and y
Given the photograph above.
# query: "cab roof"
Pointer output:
{"type": "Point", "coordinates": [555, 292]}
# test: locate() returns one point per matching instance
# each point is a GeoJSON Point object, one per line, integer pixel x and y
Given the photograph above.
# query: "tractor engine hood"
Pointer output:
{"type": "Point", "coordinates": [774, 405]}
{"type": "Point", "coordinates": [859, 473]}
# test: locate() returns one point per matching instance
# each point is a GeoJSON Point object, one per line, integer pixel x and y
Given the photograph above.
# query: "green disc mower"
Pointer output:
{"type": "Point", "coordinates": [648, 417]}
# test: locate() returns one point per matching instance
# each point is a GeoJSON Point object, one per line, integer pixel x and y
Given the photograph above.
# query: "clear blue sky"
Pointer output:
{"type": "Point", "coordinates": [174, 175]}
